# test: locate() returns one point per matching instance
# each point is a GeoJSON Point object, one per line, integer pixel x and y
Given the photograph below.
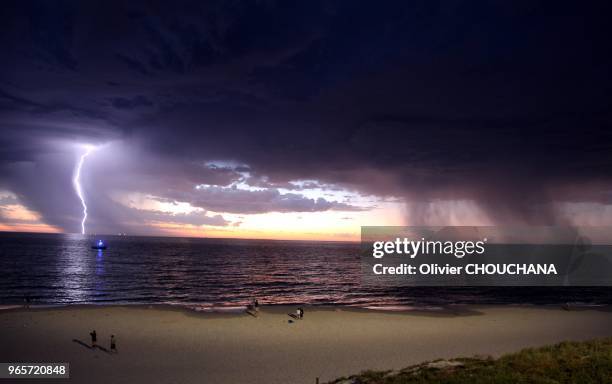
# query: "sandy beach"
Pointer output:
{"type": "Point", "coordinates": [165, 345]}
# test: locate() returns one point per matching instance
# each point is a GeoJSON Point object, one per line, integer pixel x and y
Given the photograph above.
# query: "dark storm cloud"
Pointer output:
{"type": "Point", "coordinates": [131, 103]}
{"type": "Point", "coordinates": [506, 104]}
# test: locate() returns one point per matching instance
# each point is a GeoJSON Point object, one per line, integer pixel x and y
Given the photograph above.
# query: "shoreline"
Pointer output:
{"type": "Point", "coordinates": [433, 310]}
{"type": "Point", "coordinates": [170, 344]}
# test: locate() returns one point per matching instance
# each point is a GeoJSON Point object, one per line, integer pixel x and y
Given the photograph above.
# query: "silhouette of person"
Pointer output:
{"type": "Point", "coordinates": [94, 338]}
{"type": "Point", "coordinates": [113, 345]}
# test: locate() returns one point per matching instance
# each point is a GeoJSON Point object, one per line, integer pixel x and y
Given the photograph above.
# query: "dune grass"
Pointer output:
{"type": "Point", "coordinates": [567, 362]}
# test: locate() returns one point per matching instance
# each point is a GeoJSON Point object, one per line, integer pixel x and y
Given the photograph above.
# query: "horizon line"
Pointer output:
{"type": "Point", "coordinates": [185, 237]}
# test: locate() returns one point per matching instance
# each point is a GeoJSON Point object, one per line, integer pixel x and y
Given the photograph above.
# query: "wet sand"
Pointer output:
{"type": "Point", "coordinates": [164, 345]}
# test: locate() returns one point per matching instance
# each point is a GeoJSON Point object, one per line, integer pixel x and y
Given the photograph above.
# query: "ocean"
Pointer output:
{"type": "Point", "coordinates": [210, 274]}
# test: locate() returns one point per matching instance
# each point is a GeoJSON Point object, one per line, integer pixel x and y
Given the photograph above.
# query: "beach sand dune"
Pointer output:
{"type": "Point", "coordinates": [162, 345]}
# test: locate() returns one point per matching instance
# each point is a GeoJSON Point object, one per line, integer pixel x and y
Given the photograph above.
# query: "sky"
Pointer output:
{"type": "Point", "coordinates": [303, 120]}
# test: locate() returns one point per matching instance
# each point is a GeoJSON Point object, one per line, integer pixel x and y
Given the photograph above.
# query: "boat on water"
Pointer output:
{"type": "Point", "coordinates": [99, 245]}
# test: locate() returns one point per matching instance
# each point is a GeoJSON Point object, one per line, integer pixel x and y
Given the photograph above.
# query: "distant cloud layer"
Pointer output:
{"type": "Point", "coordinates": [233, 200]}
{"type": "Point", "coordinates": [502, 109]}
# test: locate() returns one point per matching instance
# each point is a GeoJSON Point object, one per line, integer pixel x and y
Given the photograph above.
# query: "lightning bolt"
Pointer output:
{"type": "Point", "coordinates": [76, 181]}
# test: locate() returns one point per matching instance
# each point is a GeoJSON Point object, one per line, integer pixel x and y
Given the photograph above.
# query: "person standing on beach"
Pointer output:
{"type": "Point", "coordinates": [94, 338]}
{"type": "Point", "coordinates": [113, 345]}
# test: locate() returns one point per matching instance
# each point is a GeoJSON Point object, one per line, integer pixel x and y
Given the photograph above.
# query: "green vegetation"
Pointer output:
{"type": "Point", "coordinates": [567, 362]}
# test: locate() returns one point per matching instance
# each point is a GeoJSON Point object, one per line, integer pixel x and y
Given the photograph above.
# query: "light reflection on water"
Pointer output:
{"type": "Point", "coordinates": [63, 269]}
